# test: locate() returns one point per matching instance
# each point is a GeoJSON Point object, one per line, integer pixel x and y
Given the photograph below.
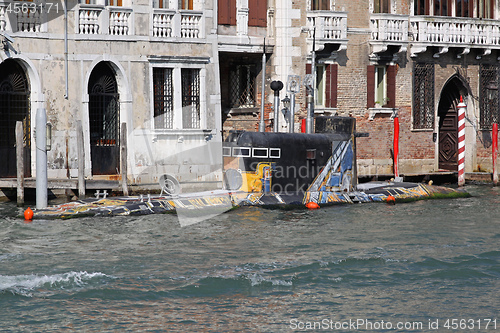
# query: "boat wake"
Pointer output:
{"type": "Point", "coordinates": [33, 284]}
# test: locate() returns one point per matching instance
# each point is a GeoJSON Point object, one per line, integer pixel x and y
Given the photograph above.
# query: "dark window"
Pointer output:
{"type": "Point", "coordinates": [423, 96]}
{"type": "Point", "coordinates": [463, 8]}
{"type": "Point", "coordinates": [441, 8]}
{"type": "Point", "coordinates": [163, 98]}
{"type": "Point", "coordinates": [241, 152]}
{"type": "Point", "coordinates": [382, 6]}
{"type": "Point", "coordinates": [320, 5]}
{"type": "Point", "coordinates": [242, 86]}
{"type": "Point", "coordinates": [190, 98]}
{"type": "Point", "coordinates": [488, 98]}
{"type": "Point", "coordinates": [260, 152]}
{"type": "Point", "coordinates": [274, 152]}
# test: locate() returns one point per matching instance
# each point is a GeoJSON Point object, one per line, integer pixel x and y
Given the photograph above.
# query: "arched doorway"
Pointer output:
{"type": "Point", "coordinates": [448, 124]}
{"type": "Point", "coordinates": [14, 106]}
{"type": "Point", "coordinates": [104, 120]}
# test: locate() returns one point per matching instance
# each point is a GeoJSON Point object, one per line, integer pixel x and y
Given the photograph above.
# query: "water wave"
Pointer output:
{"type": "Point", "coordinates": [272, 277]}
{"type": "Point", "coordinates": [242, 284]}
{"type": "Point", "coordinates": [25, 285]}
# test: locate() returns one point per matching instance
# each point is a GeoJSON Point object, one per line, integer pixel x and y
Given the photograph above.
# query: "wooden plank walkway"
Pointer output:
{"type": "Point", "coordinates": [70, 184]}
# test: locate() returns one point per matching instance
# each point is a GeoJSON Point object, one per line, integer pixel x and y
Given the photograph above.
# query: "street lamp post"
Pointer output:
{"type": "Point", "coordinates": [276, 86]}
{"type": "Point", "coordinates": [286, 109]}
{"type": "Point", "coordinates": [292, 87]}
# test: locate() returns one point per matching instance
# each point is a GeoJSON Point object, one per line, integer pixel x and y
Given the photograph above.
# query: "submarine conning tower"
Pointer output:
{"type": "Point", "coordinates": [292, 163]}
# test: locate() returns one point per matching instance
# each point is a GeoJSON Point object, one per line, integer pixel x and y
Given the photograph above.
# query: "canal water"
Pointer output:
{"type": "Point", "coordinates": [426, 266]}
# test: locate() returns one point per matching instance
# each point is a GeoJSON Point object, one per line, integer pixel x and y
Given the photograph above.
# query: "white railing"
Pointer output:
{"type": "Point", "coordinates": [191, 26]}
{"type": "Point", "coordinates": [119, 21]}
{"type": "Point", "coordinates": [177, 24]}
{"type": "Point", "coordinates": [454, 31]}
{"type": "Point", "coordinates": [97, 19]}
{"type": "Point", "coordinates": [29, 23]}
{"type": "Point", "coordinates": [89, 18]}
{"type": "Point", "coordinates": [163, 22]}
{"type": "Point", "coordinates": [329, 26]}
{"type": "Point", "coordinates": [21, 16]}
{"type": "Point", "coordinates": [389, 28]}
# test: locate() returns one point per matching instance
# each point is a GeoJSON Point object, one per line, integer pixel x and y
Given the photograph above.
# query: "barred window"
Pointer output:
{"type": "Point", "coordinates": [488, 95]}
{"type": "Point", "coordinates": [423, 96]}
{"type": "Point", "coordinates": [243, 86]}
{"type": "Point", "coordinates": [163, 98]}
{"type": "Point", "coordinates": [190, 97]}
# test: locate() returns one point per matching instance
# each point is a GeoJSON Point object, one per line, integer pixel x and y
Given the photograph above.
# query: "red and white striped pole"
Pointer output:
{"type": "Point", "coordinates": [396, 146]}
{"type": "Point", "coordinates": [494, 147]}
{"type": "Point", "coordinates": [461, 142]}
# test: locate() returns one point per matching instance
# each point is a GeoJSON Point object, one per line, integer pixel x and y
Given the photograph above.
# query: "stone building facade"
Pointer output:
{"type": "Point", "coordinates": [378, 59]}
{"type": "Point", "coordinates": [152, 65]}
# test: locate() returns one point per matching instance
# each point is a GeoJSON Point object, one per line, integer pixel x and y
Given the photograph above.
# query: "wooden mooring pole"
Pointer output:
{"type": "Point", "coordinates": [81, 159]}
{"type": "Point", "coordinates": [123, 157]}
{"type": "Point", "coordinates": [20, 163]}
{"type": "Point", "coordinates": [396, 147]}
{"type": "Point", "coordinates": [494, 147]}
{"type": "Point", "coordinates": [461, 142]}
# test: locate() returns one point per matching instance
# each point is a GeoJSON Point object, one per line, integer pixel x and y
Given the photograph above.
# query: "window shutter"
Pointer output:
{"type": "Point", "coordinates": [391, 86]}
{"type": "Point", "coordinates": [331, 86]}
{"type": "Point", "coordinates": [257, 13]}
{"type": "Point", "coordinates": [370, 86]}
{"type": "Point", "coordinates": [227, 12]}
{"type": "Point", "coordinates": [308, 69]}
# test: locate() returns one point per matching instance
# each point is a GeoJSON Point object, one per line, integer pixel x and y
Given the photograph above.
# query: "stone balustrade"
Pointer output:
{"type": "Point", "coordinates": [446, 30]}
{"type": "Point", "coordinates": [21, 16]}
{"type": "Point", "coordinates": [389, 27]}
{"type": "Point", "coordinates": [328, 25]}
{"type": "Point", "coordinates": [163, 23]}
{"type": "Point", "coordinates": [119, 21]}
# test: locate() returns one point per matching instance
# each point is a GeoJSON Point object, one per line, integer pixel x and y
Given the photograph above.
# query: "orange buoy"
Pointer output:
{"type": "Point", "coordinates": [312, 205]}
{"type": "Point", "coordinates": [391, 200]}
{"type": "Point", "coordinates": [28, 214]}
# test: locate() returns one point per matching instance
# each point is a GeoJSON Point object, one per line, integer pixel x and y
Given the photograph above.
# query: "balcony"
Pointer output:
{"type": "Point", "coordinates": [447, 32]}
{"type": "Point", "coordinates": [184, 24]}
{"type": "Point", "coordinates": [327, 28]}
{"type": "Point", "coordinates": [388, 32]}
{"type": "Point", "coordinates": [22, 16]}
{"type": "Point", "coordinates": [97, 19]}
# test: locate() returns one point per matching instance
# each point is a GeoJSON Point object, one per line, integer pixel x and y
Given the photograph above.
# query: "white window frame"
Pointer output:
{"type": "Point", "coordinates": [260, 149]}
{"type": "Point", "coordinates": [177, 66]}
{"type": "Point", "coordinates": [241, 150]}
{"type": "Point", "coordinates": [271, 150]}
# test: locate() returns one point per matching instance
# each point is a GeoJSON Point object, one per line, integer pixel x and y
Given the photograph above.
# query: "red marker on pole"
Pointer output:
{"type": "Point", "coordinates": [461, 142]}
{"type": "Point", "coordinates": [494, 147]}
{"type": "Point", "coordinates": [396, 146]}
